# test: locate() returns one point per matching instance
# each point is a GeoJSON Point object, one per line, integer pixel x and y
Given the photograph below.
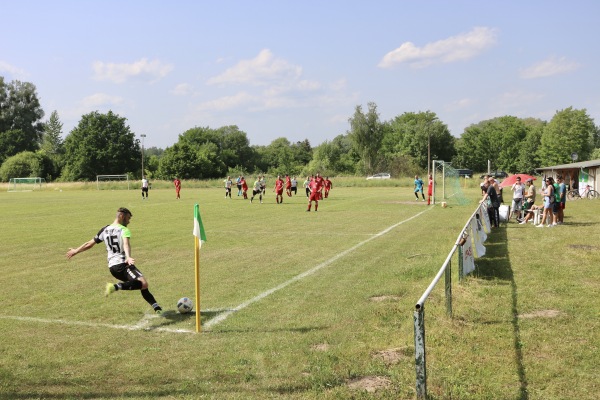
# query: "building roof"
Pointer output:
{"type": "Point", "coordinates": [576, 165]}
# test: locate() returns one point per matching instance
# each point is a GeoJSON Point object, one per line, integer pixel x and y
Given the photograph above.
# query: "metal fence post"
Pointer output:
{"type": "Point", "coordinates": [448, 282]}
{"type": "Point", "coordinates": [461, 272]}
{"type": "Point", "coordinates": [420, 364]}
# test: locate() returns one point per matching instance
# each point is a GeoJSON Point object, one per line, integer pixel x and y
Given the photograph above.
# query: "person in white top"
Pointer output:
{"type": "Point", "coordinates": [518, 190]}
{"type": "Point", "coordinates": [144, 188]}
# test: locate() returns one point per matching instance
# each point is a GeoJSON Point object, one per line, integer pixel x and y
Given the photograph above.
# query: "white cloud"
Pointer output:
{"type": "Point", "coordinates": [99, 100]}
{"type": "Point", "coordinates": [227, 102]}
{"type": "Point", "coordinates": [181, 89]}
{"type": "Point", "coordinates": [263, 69]}
{"type": "Point", "coordinates": [454, 48]}
{"type": "Point", "coordinates": [119, 73]}
{"type": "Point", "coordinates": [549, 67]}
{"type": "Point", "coordinates": [17, 72]}
{"type": "Point", "coordinates": [459, 104]}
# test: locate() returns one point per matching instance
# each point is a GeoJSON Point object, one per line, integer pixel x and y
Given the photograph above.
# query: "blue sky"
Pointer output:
{"type": "Point", "coordinates": [298, 69]}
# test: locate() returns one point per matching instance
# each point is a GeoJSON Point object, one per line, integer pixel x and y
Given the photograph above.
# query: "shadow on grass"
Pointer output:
{"type": "Point", "coordinates": [173, 317]}
{"type": "Point", "coordinates": [496, 265]}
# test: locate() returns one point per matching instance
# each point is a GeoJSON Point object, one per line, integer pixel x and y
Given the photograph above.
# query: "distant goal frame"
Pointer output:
{"type": "Point", "coordinates": [35, 182]}
{"type": "Point", "coordinates": [104, 178]}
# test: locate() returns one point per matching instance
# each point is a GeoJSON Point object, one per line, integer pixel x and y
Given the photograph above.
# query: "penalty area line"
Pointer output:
{"type": "Point", "coordinates": [222, 317]}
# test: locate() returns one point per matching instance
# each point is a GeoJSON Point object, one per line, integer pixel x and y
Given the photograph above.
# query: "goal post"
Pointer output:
{"type": "Point", "coordinates": [446, 184]}
{"type": "Point", "coordinates": [26, 184]}
{"type": "Point", "coordinates": [112, 182]}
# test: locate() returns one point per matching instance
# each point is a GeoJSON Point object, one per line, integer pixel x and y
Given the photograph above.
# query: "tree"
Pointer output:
{"type": "Point", "coordinates": [366, 134]}
{"type": "Point", "coordinates": [498, 140]}
{"type": "Point", "coordinates": [420, 136]}
{"type": "Point", "coordinates": [335, 157]}
{"type": "Point", "coordinates": [52, 144]}
{"type": "Point", "coordinates": [528, 159]}
{"type": "Point", "coordinates": [101, 144]}
{"type": "Point", "coordinates": [569, 131]}
{"type": "Point", "coordinates": [25, 164]}
{"type": "Point", "coordinates": [20, 118]}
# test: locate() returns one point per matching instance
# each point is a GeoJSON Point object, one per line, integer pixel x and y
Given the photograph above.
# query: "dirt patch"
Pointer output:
{"type": "Point", "coordinates": [320, 347]}
{"type": "Point", "coordinates": [385, 298]}
{"type": "Point", "coordinates": [394, 356]}
{"type": "Point", "coordinates": [370, 383]}
{"type": "Point", "coordinates": [541, 314]}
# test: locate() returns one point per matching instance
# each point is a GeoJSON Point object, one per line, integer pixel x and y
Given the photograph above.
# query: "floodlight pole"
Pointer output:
{"type": "Point", "coordinates": [143, 135]}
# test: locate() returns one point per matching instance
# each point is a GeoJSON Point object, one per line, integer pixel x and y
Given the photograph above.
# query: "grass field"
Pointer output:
{"type": "Point", "coordinates": [294, 305]}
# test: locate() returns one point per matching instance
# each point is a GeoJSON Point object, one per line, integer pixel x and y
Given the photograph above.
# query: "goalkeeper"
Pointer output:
{"type": "Point", "coordinates": [116, 238]}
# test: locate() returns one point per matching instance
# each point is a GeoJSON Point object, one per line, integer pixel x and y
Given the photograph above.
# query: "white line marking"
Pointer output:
{"type": "Point", "coordinates": [222, 317]}
{"type": "Point", "coordinates": [140, 326]}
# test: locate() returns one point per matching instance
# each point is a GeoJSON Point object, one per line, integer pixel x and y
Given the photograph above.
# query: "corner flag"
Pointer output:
{"type": "Point", "coordinates": [199, 238]}
{"type": "Point", "coordinates": [198, 227]}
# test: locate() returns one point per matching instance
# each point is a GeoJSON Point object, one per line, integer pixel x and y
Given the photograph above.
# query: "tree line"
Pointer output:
{"type": "Point", "coordinates": [103, 143]}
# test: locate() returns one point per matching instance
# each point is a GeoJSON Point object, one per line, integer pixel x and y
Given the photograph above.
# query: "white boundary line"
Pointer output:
{"type": "Point", "coordinates": [140, 326]}
{"type": "Point", "coordinates": [222, 317]}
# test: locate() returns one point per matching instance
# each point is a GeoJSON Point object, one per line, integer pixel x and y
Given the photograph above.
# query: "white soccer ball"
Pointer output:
{"type": "Point", "coordinates": [185, 305]}
{"type": "Point", "coordinates": [444, 204]}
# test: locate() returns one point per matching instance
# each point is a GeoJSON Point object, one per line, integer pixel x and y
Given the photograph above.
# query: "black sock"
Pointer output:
{"type": "Point", "coordinates": [150, 299]}
{"type": "Point", "coordinates": [129, 285]}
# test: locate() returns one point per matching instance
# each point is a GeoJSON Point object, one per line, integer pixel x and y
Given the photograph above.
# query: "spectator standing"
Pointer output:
{"type": "Point", "coordinates": [562, 190]}
{"type": "Point", "coordinates": [548, 194]}
{"type": "Point", "coordinates": [493, 203]}
{"type": "Point", "coordinates": [518, 190]}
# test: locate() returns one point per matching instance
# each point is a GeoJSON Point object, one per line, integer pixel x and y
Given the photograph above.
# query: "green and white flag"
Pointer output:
{"type": "Point", "coordinates": [198, 227]}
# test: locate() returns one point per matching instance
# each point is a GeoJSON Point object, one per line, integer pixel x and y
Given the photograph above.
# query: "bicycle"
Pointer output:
{"type": "Point", "coordinates": [588, 193]}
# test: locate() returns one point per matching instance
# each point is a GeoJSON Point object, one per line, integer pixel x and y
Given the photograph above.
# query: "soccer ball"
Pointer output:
{"type": "Point", "coordinates": [444, 204]}
{"type": "Point", "coordinates": [185, 305]}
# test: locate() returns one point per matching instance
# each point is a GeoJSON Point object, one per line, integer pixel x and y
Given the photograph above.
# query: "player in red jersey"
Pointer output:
{"type": "Point", "coordinates": [177, 184]}
{"type": "Point", "coordinates": [429, 189]}
{"type": "Point", "coordinates": [327, 185]}
{"type": "Point", "coordinates": [288, 186]}
{"type": "Point", "coordinates": [320, 183]}
{"type": "Point", "coordinates": [314, 194]}
{"type": "Point", "coordinates": [278, 190]}
{"type": "Point", "coordinates": [244, 187]}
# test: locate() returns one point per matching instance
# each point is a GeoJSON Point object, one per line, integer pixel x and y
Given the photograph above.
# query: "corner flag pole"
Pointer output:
{"type": "Point", "coordinates": [199, 238]}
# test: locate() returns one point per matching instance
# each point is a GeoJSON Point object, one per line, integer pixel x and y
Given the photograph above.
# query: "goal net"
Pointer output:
{"type": "Point", "coordinates": [112, 182]}
{"type": "Point", "coordinates": [25, 184]}
{"type": "Point", "coordinates": [446, 185]}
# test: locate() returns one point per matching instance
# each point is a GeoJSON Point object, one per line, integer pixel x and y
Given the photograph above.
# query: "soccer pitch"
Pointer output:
{"type": "Point", "coordinates": [293, 304]}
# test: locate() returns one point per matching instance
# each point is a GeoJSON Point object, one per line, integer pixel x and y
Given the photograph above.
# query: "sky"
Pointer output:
{"type": "Point", "coordinates": [298, 69]}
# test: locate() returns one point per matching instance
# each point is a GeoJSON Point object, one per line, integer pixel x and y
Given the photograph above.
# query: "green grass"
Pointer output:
{"type": "Point", "coordinates": [525, 326]}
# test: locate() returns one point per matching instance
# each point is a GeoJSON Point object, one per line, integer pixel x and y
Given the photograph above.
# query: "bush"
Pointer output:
{"type": "Point", "coordinates": [26, 164]}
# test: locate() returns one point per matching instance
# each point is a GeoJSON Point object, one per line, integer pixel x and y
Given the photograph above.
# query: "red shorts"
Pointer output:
{"type": "Point", "coordinates": [279, 192]}
{"type": "Point", "coordinates": [314, 196]}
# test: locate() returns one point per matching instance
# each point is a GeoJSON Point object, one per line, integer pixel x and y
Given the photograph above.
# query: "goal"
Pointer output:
{"type": "Point", "coordinates": [446, 184]}
{"type": "Point", "coordinates": [25, 184]}
{"type": "Point", "coordinates": [112, 182]}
